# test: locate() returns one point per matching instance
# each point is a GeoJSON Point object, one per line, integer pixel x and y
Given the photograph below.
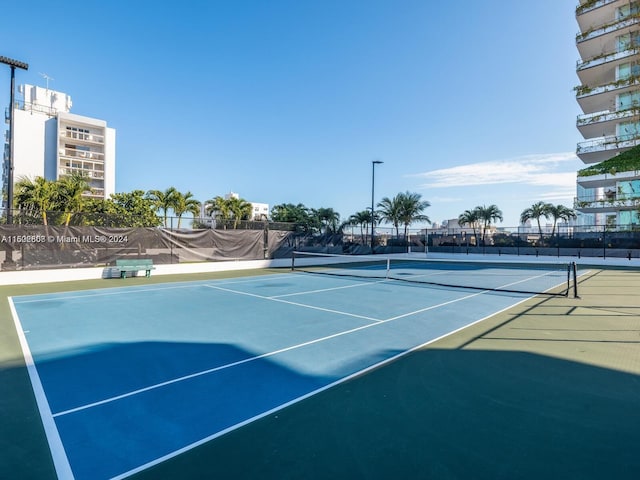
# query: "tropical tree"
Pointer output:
{"type": "Point", "coordinates": [470, 218]}
{"type": "Point", "coordinates": [69, 193]}
{"type": "Point", "coordinates": [535, 212]}
{"type": "Point", "coordinates": [219, 206]}
{"type": "Point", "coordinates": [163, 201]}
{"type": "Point", "coordinates": [290, 213]}
{"type": "Point", "coordinates": [405, 208]}
{"type": "Point", "coordinates": [488, 215]}
{"type": "Point", "coordinates": [185, 203]}
{"type": "Point", "coordinates": [240, 210]}
{"type": "Point", "coordinates": [391, 211]}
{"type": "Point", "coordinates": [302, 216]}
{"type": "Point", "coordinates": [361, 219]}
{"type": "Point", "coordinates": [411, 210]}
{"type": "Point", "coordinates": [328, 219]}
{"type": "Point", "coordinates": [560, 212]}
{"type": "Point", "coordinates": [35, 197]}
{"type": "Point", "coordinates": [132, 209]}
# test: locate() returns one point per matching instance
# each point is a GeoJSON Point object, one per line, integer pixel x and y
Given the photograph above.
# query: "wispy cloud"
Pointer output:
{"type": "Point", "coordinates": [554, 170]}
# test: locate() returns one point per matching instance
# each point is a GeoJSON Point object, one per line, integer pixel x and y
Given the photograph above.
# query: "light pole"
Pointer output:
{"type": "Point", "coordinates": [373, 215]}
{"type": "Point", "coordinates": [25, 66]}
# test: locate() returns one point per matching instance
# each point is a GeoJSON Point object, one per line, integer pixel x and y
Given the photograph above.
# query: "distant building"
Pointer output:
{"type": "Point", "coordinates": [260, 211]}
{"type": "Point", "coordinates": [51, 142]}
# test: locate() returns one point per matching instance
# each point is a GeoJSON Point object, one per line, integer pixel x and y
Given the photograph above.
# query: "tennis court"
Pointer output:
{"type": "Point", "coordinates": [128, 377]}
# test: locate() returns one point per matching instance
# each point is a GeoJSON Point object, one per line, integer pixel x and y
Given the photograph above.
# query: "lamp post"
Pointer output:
{"type": "Point", "coordinates": [25, 66]}
{"type": "Point", "coordinates": [373, 215]}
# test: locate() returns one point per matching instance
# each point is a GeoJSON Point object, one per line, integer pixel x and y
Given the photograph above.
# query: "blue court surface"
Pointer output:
{"type": "Point", "coordinates": [127, 377]}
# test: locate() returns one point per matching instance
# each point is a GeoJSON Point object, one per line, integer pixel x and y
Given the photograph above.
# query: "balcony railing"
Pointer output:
{"type": "Point", "coordinates": [591, 5]}
{"type": "Point", "coordinates": [608, 27]}
{"type": "Point", "coordinates": [87, 137]}
{"type": "Point", "coordinates": [606, 58]}
{"type": "Point", "coordinates": [599, 117]}
{"type": "Point", "coordinates": [607, 201]}
{"type": "Point", "coordinates": [72, 153]}
{"type": "Point", "coordinates": [89, 174]}
{"type": "Point", "coordinates": [609, 142]}
{"type": "Point", "coordinates": [585, 91]}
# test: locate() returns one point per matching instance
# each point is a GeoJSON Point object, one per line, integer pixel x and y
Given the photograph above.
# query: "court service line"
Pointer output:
{"type": "Point", "coordinates": [246, 360]}
{"type": "Point", "coordinates": [357, 285]}
{"type": "Point", "coordinates": [276, 299]}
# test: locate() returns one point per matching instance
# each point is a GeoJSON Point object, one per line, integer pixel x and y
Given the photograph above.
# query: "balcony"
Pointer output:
{"type": "Point", "coordinates": [592, 99]}
{"type": "Point", "coordinates": [87, 173]}
{"type": "Point", "coordinates": [591, 5]}
{"type": "Point", "coordinates": [607, 116]}
{"type": "Point", "coordinates": [611, 202]}
{"type": "Point", "coordinates": [602, 148]}
{"type": "Point", "coordinates": [607, 180]}
{"type": "Point", "coordinates": [84, 138]}
{"type": "Point", "coordinates": [73, 154]}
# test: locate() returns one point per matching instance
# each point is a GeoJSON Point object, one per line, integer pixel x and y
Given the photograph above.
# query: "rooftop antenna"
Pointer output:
{"type": "Point", "coordinates": [47, 78]}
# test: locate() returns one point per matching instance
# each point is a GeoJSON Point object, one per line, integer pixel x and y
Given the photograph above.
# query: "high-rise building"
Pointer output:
{"type": "Point", "coordinates": [51, 142]}
{"type": "Point", "coordinates": [609, 96]}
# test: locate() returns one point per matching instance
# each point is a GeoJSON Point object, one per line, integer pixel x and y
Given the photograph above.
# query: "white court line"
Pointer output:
{"type": "Point", "coordinates": [60, 460]}
{"type": "Point", "coordinates": [276, 299]}
{"type": "Point", "coordinates": [251, 359]}
{"type": "Point", "coordinates": [132, 289]}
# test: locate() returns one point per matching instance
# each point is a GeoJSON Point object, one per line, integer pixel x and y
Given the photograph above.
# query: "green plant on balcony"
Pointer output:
{"type": "Point", "coordinates": [627, 161]}
{"type": "Point", "coordinates": [586, 33]}
{"type": "Point", "coordinates": [585, 6]}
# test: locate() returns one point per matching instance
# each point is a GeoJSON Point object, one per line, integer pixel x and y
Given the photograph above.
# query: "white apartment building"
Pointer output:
{"type": "Point", "coordinates": [260, 211]}
{"type": "Point", "coordinates": [51, 142]}
{"type": "Point", "coordinates": [609, 96]}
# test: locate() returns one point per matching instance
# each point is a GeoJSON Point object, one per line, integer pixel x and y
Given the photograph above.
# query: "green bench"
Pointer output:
{"type": "Point", "coordinates": [134, 265]}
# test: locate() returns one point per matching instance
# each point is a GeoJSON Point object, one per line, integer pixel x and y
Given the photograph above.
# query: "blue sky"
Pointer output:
{"type": "Point", "coordinates": [289, 101]}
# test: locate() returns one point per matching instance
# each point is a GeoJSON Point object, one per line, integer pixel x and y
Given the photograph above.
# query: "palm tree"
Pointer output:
{"type": "Point", "coordinates": [240, 209]}
{"type": "Point", "coordinates": [185, 203]}
{"type": "Point", "coordinates": [487, 215]}
{"type": "Point", "coordinates": [411, 210]}
{"type": "Point", "coordinates": [559, 212]}
{"type": "Point", "coordinates": [391, 211]}
{"type": "Point", "coordinates": [163, 200]}
{"type": "Point", "coordinates": [218, 206]}
{"type": "Point", "coordinates": [69, 194]}
{"type": "Point", "coordinates": [36, 196]}
{"type": "Point", "coordinates": [535, 211]}
{"type": "Point", "coordinates": [329, 219]}
{"type": "Point", "coordinates": [363, 219]}
{"type": "Point", "coordinates": [471, 218]}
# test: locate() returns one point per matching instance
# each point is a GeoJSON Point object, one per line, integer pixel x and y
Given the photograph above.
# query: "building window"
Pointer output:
{"type": "Point", "coordinates": [625, 11]}
{"type": "Point", "coordinates": [77, 132]}
{"type": "Point", "coordinates": [628, 41]}
{"type": "Point", "coordinates": [628, 130]}
{"type": "Point", "coordinates": [628, 100]}
{"type": "Point", "coordinates": [628, 70]}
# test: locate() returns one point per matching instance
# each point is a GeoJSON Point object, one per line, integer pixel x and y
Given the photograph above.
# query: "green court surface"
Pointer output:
{"type": "Point", "coordinates": [549, 388]}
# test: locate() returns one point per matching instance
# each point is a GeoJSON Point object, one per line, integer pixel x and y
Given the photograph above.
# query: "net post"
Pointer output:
{"type": "Point", "coordinates": [574, 270]}
{"type": "Point", "coordinates": [293, 260]}
{"type": "Point", "coordinates": [388, 267]}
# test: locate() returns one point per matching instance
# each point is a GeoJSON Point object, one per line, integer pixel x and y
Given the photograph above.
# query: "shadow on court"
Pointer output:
{"type": "Point", "coordinates": [442, 414]}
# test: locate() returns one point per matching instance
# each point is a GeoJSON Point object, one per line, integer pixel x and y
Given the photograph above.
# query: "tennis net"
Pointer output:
{"type": "Point", "coordinates": [538, 278]}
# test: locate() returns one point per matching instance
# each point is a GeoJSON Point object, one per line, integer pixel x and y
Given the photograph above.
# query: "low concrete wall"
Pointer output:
{"type": "Point", "coordinates": [92, 273]}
